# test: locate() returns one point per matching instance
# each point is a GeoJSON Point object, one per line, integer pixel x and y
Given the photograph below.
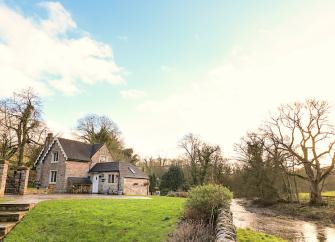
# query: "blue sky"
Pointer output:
{"type": "Point", "coordinates": [168, 57]}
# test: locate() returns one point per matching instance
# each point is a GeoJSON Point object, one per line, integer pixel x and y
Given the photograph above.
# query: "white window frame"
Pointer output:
{"type": "Point", "coordinates": [112, 178]}
{"type": "Point", "coordinates": [53, 157]}
{"type": "Point", "coordinates": [105, 158]}
{"type": "Point", "coordinates": [50, 177]}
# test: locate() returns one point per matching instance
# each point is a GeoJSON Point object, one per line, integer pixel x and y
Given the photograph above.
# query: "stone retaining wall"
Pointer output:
{"type": "Point", "coordinates": [225, 229]}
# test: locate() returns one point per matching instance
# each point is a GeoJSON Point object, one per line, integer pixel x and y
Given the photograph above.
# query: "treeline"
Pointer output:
{"type": "Point", "coordinates": [292, 151]}
{"type": "Point", "coordinates": [201, 163]}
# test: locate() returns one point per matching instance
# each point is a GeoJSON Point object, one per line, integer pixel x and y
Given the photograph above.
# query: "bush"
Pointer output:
{"type": "Point", "coordinates": [193, 231]}
{"type": "Point", "coordinates": [164, 191]}
{"type": "Point", "coordinates": [204, 202]}
{"type": "Point", "coordinates": [176, 194]}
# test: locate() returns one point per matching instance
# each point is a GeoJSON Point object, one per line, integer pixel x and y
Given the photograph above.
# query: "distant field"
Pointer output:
{"type": "Point", "coordinates": [329, 193]}
{"type": "Point", "coordinates": [305, 195]}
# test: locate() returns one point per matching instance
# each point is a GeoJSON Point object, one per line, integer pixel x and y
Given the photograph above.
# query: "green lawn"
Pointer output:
{"type": "Point", "coordinates": [108, 220]}
{"type": "Point", "coordinates": [247, 235]}
{"type": "Point", "coordinates": [99, 220]}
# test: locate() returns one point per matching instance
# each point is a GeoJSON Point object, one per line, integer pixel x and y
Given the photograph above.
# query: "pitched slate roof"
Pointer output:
{"type": "Point", "coordinates": [78, 151]}
{"type": "Point", "coordinates": [124, 168]}
{"type": "Point", "coordinates": [71, 149]}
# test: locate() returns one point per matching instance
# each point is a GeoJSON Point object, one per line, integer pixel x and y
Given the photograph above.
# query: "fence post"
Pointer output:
{"type": "Point", "coordinates": [23, 174]}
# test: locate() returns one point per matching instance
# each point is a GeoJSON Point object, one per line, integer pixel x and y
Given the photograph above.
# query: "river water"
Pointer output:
{"type": "Point", "coordinates": [287, 228]}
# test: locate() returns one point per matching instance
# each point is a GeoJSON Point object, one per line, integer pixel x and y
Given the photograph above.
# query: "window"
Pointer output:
{"type": "Point", "coordinates": [132, 170]}
{"type": "Point", "coordinates": [102, 158]}
{"type": "Point", "coordinates": [53, 177]}
{"type": "Point", "coordinates": [111, 178]}
{"type": "Point", "coordinates": [54, 158]}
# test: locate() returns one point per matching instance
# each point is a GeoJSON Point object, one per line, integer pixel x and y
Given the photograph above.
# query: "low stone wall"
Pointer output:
{"type": "Point", "coordinates": [225, 229]}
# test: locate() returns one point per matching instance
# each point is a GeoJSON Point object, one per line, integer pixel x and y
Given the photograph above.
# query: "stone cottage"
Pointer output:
{"type": "Point", "coordinates": [71, 166]}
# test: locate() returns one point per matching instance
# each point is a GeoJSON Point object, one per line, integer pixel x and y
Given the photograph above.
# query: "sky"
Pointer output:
{"type": "Point", "coordinates": [162, 69]}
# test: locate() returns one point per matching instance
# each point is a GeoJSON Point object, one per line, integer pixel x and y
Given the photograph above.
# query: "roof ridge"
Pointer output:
{"type": "Point", "coordinates": [79, 141]}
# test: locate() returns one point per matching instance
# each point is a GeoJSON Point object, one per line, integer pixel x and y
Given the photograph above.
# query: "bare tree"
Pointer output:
{"type": "Point", "coordinates": [101, 129]}
{"type": "Point", "coordinates": [305, 132]}
{"type": "Point", "coordinates": [191, 146]}
{"type": "Point", "coordinates": [21, 122]}
{"type": "Point", "coordinates": [92, 128]}
{"type": "Point", "coordinates": [201, 157]}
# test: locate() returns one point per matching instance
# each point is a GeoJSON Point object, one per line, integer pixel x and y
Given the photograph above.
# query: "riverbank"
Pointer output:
{"type": "Point", "coordinates": [321, 214]}
{"type": "Point", "coordinates": [270, 221]}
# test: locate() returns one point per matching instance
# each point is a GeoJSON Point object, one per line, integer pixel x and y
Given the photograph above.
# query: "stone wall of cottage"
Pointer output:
{"type": "Point", "coordinates": [44, 168]}
{"type": "Point", "coordinates": [102, 151]}
{"type": "Point", "coordinates": [38, 171]}
{"type": "Point", "coordinates": [135, 186]}
{"type": "Point", "coordinates": [76, 169]}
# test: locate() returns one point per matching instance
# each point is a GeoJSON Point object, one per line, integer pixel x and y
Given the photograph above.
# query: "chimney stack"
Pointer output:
{"type": "Point", "coordinates": [49, 139]}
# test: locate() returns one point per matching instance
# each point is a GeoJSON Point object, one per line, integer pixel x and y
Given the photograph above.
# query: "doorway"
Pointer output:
{"type": "Point", "coordinates": [95, 183]}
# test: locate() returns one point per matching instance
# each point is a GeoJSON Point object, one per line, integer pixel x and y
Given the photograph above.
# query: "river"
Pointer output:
{"type": "Point", "coordinates": [288, 228]}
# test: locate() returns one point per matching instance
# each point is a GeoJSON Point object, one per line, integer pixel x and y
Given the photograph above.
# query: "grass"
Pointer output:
{"type": "Point", "coordinates": [304, 196]}
{"type": "Point", "coordinates": [247, 235]}
{"type": "Point", "coordinates": [99, 220]}
{"type": "Point", "coordinates": [329, 193]}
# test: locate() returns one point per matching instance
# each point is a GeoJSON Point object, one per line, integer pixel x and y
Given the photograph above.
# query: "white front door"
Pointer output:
{"type": "Point", "coordinates": [95, 184]}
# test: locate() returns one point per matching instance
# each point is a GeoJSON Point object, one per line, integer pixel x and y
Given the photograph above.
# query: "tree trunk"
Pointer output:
{"type": "Point", "coordinates": [296, 189]}
{"type": "Point", "coordinates": [194, 174]}
{"type": "Point", "coordinates": [21, 155]}
{"type": "Point", "coordinates": [315, 194]}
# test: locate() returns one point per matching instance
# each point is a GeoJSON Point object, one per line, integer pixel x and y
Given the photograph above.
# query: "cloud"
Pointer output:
{"type": "Point", "coordinates": [132, 94]}
{"type": "Point", "coordinates": [291, 61]}
{"type": "Point", "coordinates": [59, 130]}
{"type": "Point", "coordinates": [52, 53]}
{"type": "Point", "coordinates": [59, 21]}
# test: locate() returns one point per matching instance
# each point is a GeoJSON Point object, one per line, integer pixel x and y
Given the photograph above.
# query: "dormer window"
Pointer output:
{"type": "Point", "coordinates": [102, 158]}
{"type": "Point", "coordinates": [54, 158]}
{"type": "Point", "coordinates": [132, 170]}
